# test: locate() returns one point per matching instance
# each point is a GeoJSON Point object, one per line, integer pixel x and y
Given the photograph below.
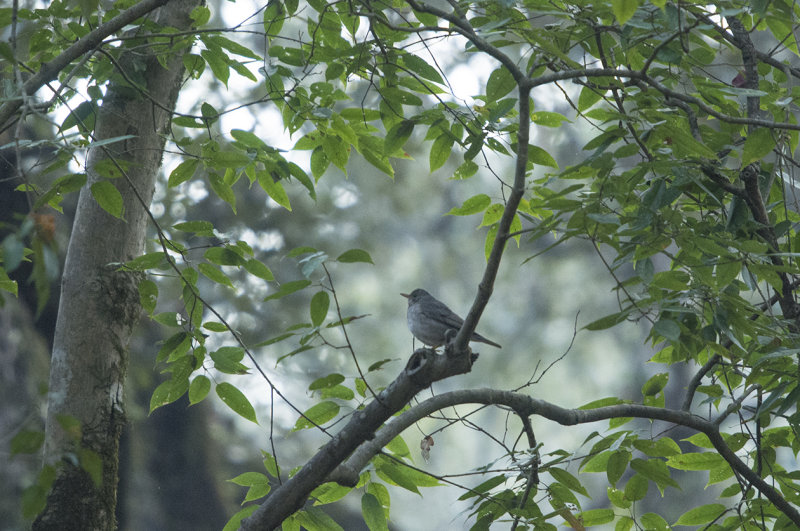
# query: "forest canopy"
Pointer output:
{"type": "Point", "coordinates": [235, 175]}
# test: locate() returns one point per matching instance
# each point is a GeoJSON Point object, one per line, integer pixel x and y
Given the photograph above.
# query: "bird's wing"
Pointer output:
{"type": "Point", "coordinates": [446, 316]}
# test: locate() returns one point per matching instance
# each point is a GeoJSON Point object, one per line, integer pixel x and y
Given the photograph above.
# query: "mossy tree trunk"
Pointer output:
{"type": "Point", "coordinates": [99, 304]}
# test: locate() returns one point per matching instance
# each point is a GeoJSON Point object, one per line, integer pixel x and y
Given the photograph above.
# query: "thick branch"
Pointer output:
{"type": "Point", "coordinates": [750, 173]}
{"type": "Point", "coordinates": [424, 368]}
{"type": "Point", "coordinates": [84, 45]}
{"type": "Point", "coordinates": [525, 406]}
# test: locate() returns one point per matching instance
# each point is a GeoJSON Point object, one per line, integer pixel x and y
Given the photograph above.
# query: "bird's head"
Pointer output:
{"type": "Point", "coordinates": [416, 295]}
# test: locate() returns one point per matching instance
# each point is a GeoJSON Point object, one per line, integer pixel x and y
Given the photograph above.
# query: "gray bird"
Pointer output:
{"type": "Point", "coordinates": [429, 319]}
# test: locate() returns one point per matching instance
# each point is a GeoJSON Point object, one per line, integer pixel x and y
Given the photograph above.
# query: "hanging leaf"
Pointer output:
{"type": "Point", "coordinates": [108, 197]}
{"type": "Point", "coordinates": [319, 307]}
{"type": "Point", "coordinates": [236, 400]}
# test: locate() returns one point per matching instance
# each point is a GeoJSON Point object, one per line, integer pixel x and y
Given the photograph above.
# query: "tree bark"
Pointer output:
{"type": "Point", "coordinates": [100, 304]}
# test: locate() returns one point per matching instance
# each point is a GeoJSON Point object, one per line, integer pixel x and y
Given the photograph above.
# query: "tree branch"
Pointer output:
{"type": "Point", "coordinates": [526, 406]}
{"type": "Point", "coordinates": [647, 80]}
{"type": "Point", "coordinates": [424, 368]}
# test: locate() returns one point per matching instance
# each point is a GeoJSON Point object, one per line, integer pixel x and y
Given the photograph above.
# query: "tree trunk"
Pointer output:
{"type": "Point", "coordinates": [100, 304]}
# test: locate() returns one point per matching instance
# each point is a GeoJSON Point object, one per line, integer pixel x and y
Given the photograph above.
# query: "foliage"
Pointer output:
{"type": "Point", "coordinates": [685, 187]}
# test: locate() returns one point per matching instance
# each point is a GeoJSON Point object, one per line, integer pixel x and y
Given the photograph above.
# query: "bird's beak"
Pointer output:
{"type": "Point", "coordinates": [406, 295]}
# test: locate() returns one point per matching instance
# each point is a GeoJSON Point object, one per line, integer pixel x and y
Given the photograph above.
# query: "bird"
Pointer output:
{"type": "Point", "coordinates": [430, 319]}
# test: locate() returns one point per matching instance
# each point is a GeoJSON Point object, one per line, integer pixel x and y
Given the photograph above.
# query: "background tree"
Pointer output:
{"type": "Point", "coordinates": [684, 190]}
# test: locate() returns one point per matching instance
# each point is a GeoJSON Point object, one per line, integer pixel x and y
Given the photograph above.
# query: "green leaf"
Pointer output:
{"type": "Point", "coordinates": [146, 261]}
{"type": "Point", "coordinates": [398, 447]}
{"type": "Point", "coordinates": [597, 463]}
{"type": "Point", "coordinates": [214, 273]}
{"type": "Point", "coordinates": [223, 190]}
{"type": "Point", "coordinates": [655, 384]}
{"type": "Point", "coordinates": [484, 487]}
{"type": "Point", "coordinates": [320, 162]}
{"type": "Point", "coordinates": [618, 499]}
{"type": "Point", "coordinates": [336, 150]}
{"type": "Point", "coordinates": [616, 466]}
{"type": "Point", "coordinates": [655, 470]}
{"type": "Point", "coordinates": [202, 228]}
{"type": "Point", "coordinates": [183, 172]}
{"type": "Point", "coordinates": [168, 392]}
{"type": "Point", "coordinates": [654, 522]}
{"type": "Point", "coordinates": [61, 186]}
{"type": "Point", "coordinates": [314, 519]}
{"type": "Point", "coordinates": [228, 159]}
{"type": "Point", "coordinates": [661, 447]}
{"type": "Point", "coordinates": [379, 364]}
{"type": "Point", "coordinates": [636, 488]}
{"type": "Point", "coordinates": [488, 243]}
{"type": "Point", "coordinates": [108, 197]}
{"type": "Point", "coordinates": [33, 500]}
{"type": "Point", "coordinates": [248, 479]}
{"type": "Point", "coordinates": [236, 400]}
{"type": "Point", "coordinates": [218, 62]}
{"type": "Point", "coordinates": [288, 288]}
{"type": "Point", "coordinates": [232, 46]}
{"type": "Point", "coordinates": [228, 360]}
{"type": "Point", "coordinates": [758, 145]}
{"type": "Point", "coordinates": [596, 517]}
{"type": "Point", "coordinates": [371, 148]}
{"type": "Point", "coordinates": [397, 136]}
{"type": "Point", "coordinates": [199, 389]}
{"type": "Point", "coordinates": [328, 493]}
{"type": "Point", "coordinates": [92, 464]}
{"type": "Point", "coordinates": [683, 143]}
{"type": "Point", "coordinates": [422, 68]}
{"type": "Point", "coordinates": [667, 328]}
{"type": "Point", "coordinates": [148, 295]}
{"type": "Point", "coordinates": [624, 9]}
{"type": "Point", "coordinates": [602, 402]}
{"type": "Point", "coordinates": [248, 138]}
{"type": "Point", "coordinates": [702, 515]}
{"type": "Point", "coordinates": [372, 510]}
{"type": "Point", "coordinates": [539, 156]}
{"type": "Point", "coordinates": [466, 170]}
{"type": "Point", "coordinates": [492, 215]}
{"type": "Point", "coordinates": [83, 116]}
{"type": "Point", "coordinates": [200, 15]}
{"type": "Point", "coordinates": [440, 151]}
{"type": "Point", "coordinates": [355, 255]}
{"type": "Point", "coordinates": [26, 442]}
{"type": "Point", "coordinates": [548, 119]}
{"type": "Point", "coordinates": [568, 480]}
{"type": "Point", "coordinates": [588, 97]}
{"type": "Point", "coordinates": [473, 205]}
{"type": "Point", "coordinates": [214, 326]}
{"type": "Point", "coordinates": [179, 343]}
{"type": "Point", "coordinates": [236, 520]}
{"type": "Point", "coordinates": [320, 303]}
{"type": "Point", "coordinates": [258, 269]}
{"type": "Point", "coordinates": [167, 319]}
{"type": "Point", "coordinates": [317, 414]}
{"type": "Point", "coordinates": [500, 83]}
{"type": "Point", "coordinates": [703, 461]}
{"type": "Point", "coordinates": [271, 464]}
{"type": "Point", "coordinates": [608, 321]}
{"type": "Point", "coordinates": [311, 263]}
{"type": "Point", "coordinates": [326, 382]}
{"type": "Point", "coordinates": [223, 256]}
